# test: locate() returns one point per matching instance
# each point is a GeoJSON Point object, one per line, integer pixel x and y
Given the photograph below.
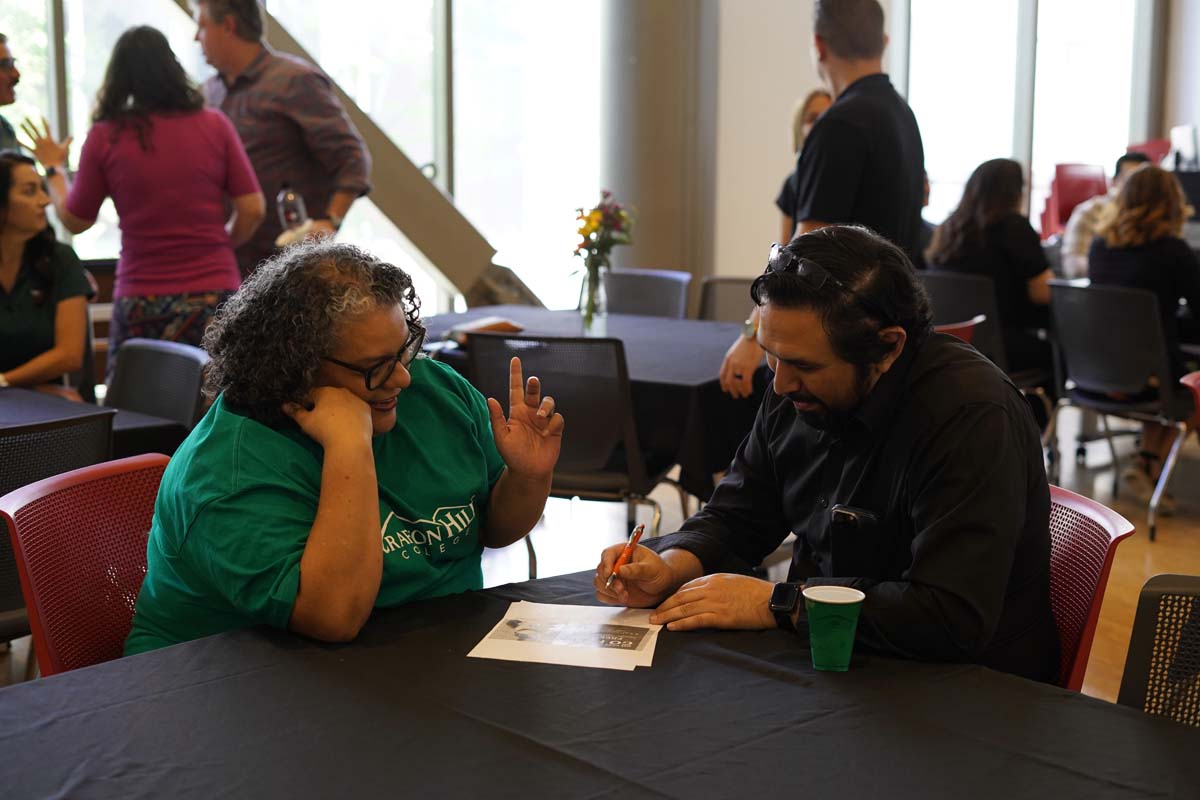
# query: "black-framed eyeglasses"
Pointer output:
{"type": "Point", "coordinates": [816, 276]}
{"type": "Point", "coordinates": [377, 374]}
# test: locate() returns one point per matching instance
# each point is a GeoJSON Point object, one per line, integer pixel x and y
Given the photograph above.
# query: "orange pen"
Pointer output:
{"type": "Point", "coordinates": [626, 554]}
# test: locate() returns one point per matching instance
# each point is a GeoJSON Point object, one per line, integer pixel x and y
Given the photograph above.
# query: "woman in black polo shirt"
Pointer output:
{"type": "Point", "coordinates": [1140, 246]}
{"type": "Point", "coordinates": [988, 235]}
{"type": "Point", "coordinates": [43, 291]}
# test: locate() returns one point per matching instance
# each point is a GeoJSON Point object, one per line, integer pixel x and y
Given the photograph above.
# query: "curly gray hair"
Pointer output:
{"type": "Point", "coordinates": [267, 342]}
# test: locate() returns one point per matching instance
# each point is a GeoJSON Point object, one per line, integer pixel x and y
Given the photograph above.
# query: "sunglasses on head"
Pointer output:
{"type": "Point", "coordinates": [816, 276]}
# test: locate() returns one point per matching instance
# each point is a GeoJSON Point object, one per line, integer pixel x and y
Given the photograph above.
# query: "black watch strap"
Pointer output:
{"type": "Point", "coordinates": [785, 598]}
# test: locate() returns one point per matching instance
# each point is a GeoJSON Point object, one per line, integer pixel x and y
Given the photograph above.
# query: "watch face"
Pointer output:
{"type": "Point", "coordinates": [785, 596]}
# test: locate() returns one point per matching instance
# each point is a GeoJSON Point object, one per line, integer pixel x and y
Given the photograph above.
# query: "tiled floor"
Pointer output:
{"type": "Point", "coordinates": [573, 532]}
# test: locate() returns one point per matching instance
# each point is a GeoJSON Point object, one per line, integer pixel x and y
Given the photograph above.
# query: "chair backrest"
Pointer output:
{"type": "Point", "coordinates": [80, 541]}
{"type": "Point", "coordinates": [649, 292]}
{"type": "Point", "coordinates": [159, 378]}
{"type": "Point", "coordinates": [1083, 540]}
{"type": "Point", "coordinates": [1076, 183]}
{"type": "Point", "coordinates": [963, 330]}
{"type": "Point", "coordinates": [589, 381]}
{"type": "Point", "coordinates": [29, 453]}
{"type": "Point", "coordinates": [1162, 669]}
{"type": "Point", "coordinates": [724, 299]}
{"type": "Point", "coordinates": [956, 296]}
{"type": "Point", "coordinates": [1110, 338]}
{"type": "Point", "coordinates": [1154, 149]}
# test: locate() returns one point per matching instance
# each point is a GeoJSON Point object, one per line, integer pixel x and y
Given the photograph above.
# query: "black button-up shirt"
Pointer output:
{"type": "Point", "coordinates": [944, 456]}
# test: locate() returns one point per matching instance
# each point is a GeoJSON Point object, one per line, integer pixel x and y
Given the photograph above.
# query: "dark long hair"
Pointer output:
{"type": "Point", "coordinates": [143, 78]}
{"type": "Point", "coordinates": [40, 248]}
{"type": "Point", "coordinates": [993, 190]}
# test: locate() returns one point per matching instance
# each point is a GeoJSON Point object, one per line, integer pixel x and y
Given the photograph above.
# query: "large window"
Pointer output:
{"type": "Point", "coordinates": [962, 90]}
{"type": "Point", "coordinates": [972, 67]}
{"type": "Point", "coordinates": [527, 131]}
{"type": "Point", "coordinates": [1084, 87]}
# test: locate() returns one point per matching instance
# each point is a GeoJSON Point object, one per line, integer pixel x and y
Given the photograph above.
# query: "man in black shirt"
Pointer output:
{"type": "Point", "coordinates": [906, 463]}
{"type": "Point", "coordinates": [863, 162]}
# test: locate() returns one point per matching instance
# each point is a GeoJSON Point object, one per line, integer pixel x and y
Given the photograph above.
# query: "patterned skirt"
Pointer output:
{"type": "Point", "coordinates": [173, 317]}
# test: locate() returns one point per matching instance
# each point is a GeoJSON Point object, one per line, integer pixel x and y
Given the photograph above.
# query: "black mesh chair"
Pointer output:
{"type": "Point", "coordinates": [648, 292]}
{"type": "Point", "coordinates": [1112, 345]}
{"type": "Point", "coordinates": [1162, 669]}
{"type": "Point", "coordinates": [29, 453]}
{"type": "Point", "coordinates": [159, 378]}
{"type": "Point", "coordinates": [956, 297]}
{"type": "Point", "coordinates": [601, 458]}
{"type": "Point", "coordinates": [725, 299]}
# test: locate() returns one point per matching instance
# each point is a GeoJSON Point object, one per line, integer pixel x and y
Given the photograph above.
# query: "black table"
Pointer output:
{"type": "Point", "coordinates": [402, 712]}
{"type": "Point", "coordinates": [674, 366]}
{"type": "Point", "coordinates": [133, 433]}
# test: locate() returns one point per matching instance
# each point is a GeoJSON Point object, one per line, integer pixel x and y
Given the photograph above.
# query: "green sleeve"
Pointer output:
{"type": "Point", "coordinates": [69, 280]}
{"type": "Point", "coordinates": [247, 545]}
{"type": "Point", "coordinates": [487, 443]}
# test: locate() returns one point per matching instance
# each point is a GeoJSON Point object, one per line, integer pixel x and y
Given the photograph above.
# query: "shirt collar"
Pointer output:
{"type": "Point", "coordinates": [867, 83]}
{"type": "Point", "coordinates": [881, 403]}
{"type": "Point", "coordinates": [254, 69]}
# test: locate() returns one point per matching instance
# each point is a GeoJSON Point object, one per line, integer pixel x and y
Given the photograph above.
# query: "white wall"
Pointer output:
{"type": "Point", "coordinates": [1181, 104]}
{"type": "Point", "coordinates": [764, 68]}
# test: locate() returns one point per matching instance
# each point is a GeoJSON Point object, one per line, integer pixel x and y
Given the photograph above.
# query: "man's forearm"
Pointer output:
{"type": "Point", "coordinates": [339, 204]}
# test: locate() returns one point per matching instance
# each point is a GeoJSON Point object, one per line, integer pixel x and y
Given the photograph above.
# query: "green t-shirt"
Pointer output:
{"type": "Point", "coordinates": [27, 312]}
{"type": "Point", "coordinates": [238, 500]}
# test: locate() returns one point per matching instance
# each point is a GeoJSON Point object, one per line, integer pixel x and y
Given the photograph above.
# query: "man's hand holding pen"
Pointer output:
{"type": "Point", "coordinates": [683, 598]}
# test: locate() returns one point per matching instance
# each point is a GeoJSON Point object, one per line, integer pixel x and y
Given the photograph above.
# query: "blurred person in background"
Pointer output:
{"type": "Point", "coordinates": [988, 235]}
{"type": "Point", "coordinates": [1139, 246]}
{"type": "Point", "coordinates": [1086, 218]}
{"type": "Point", "coordinates": [805, 115]}
{"type": "Point", "coordinates": [170, 165]}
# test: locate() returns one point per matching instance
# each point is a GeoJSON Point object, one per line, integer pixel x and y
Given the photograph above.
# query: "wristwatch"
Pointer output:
{"type": "Point", "coordinates": [785, 597]}
{"type": "Point", "coordinates": [749, 328]}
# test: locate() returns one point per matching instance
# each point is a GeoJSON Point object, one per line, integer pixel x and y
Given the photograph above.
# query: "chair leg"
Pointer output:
{"type": "Point", "coordinates": [1165, 476]}
{"type": "Point", "coordinates": [532, 557]}
{"type": "Point", "coordinates": [1112, 449]}
{"type": "Point", "coordinates": [630, 513]}
{"type": "Point", "coordinates": [31, 665]}
{"type": "Point", "coordinates": [684, 497]}
{"type": "Point", "coordinates": [1050, 445]}
{"type": "Point", "coordinates": [656, 518]}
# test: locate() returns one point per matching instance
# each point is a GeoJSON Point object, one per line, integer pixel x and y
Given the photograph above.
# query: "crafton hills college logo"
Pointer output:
{"type": "Point", "coordinates": [442, 534]}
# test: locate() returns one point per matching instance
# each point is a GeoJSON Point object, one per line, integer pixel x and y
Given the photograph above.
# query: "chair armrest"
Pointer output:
{"type": "Point", "coordinates": [1192, 381]}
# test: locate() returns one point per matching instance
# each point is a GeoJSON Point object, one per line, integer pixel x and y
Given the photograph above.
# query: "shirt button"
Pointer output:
{"type": "Point", "coordinates": [822, 502]}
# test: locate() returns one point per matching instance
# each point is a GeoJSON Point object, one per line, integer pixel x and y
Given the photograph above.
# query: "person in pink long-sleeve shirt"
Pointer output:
{"type": "Point", "coordinates": [170, 165]}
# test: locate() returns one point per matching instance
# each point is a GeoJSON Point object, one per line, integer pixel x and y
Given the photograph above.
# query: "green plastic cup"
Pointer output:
{"type": "Point", "coordinates": [832, 621]}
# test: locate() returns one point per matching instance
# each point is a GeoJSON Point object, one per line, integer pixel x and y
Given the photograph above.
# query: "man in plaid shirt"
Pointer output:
{"type": "Point", "coordinates": [293, 126]}
{"type": "Point", "coordinates": [1081, 227]}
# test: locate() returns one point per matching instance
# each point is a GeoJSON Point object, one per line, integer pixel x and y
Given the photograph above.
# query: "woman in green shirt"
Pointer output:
{"type": "Point", "coordinates": [337, 471]}
{"type": "Point", "coordinates": [43, 291]}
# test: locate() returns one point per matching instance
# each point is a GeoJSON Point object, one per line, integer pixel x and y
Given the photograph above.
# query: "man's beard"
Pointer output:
{"type": "Point", "coordinates": [824, 418]}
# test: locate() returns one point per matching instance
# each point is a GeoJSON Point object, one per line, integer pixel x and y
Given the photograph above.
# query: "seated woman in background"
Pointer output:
{"type": "Point", "coordinates": [169, 165]}
{"type": "Point", "coordinates": [336, 472]}
{"type": "Point", "coordinates": [988, 235]}
{"type": "Point", "coordinates": [43, 291]}
{"type": "Point", "coordinates": [1140, 246]}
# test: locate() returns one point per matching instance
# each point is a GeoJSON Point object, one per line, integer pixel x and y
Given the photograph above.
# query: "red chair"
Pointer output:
{"type": "Point", "coordinates": [1072, 184]}
{"type": "Point", "coordinates": [1155, 149]}
{"type": "Point", "coordinates": [1083, 540]}
{"type": "Point", "coordinates": [80, 545]}
{"type": "Point", "coordinates": [963, 330]}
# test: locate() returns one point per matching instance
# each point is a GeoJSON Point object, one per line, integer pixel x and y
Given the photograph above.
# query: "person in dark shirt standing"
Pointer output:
{"type": "Point", "coordinates": [1140, 247]}
{"type": "Point", "coordinates": [873, 418]}
{"type": "Point", "coordinates": [291, 122]}
{"type": "Point", "coordinates": [863, 162]}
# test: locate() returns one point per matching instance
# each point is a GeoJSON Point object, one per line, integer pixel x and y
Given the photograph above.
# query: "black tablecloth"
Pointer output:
{"type": "Point", "coordinates": [674, 365]}
{"type": "Point", "coordinates": [133, 433]}
{"type": "Point", "coordinates": [402, 712]}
